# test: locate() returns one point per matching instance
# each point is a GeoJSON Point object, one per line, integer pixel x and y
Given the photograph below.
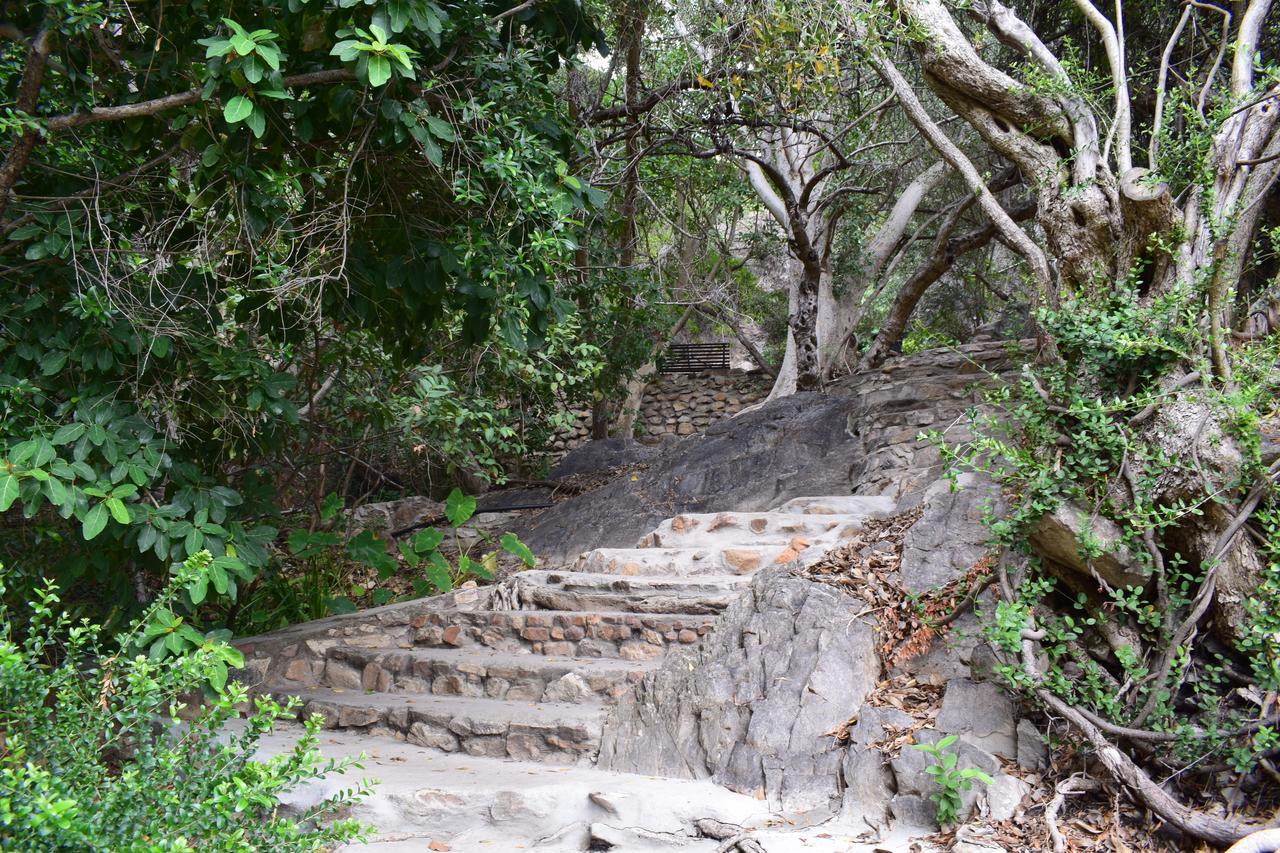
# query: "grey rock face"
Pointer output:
{"type": "Point", "coordinates": [983, 713]}
{"type": "Point", "coordinates": [1059, 536]}
{"type": "Point", "coordinates": [869, 783]}
{"type": "Point", "coordinates": [602, 455]}
{"type": "Point", "coordinates": [752, 705]}
{"type": "Point", "coordinates": [950, 537]}
{"type": "Point", "coordinates": [382, 518]}
{"type": "Point", "coordinates": [1032, 752]}
{"type": "Point", "coordinates": [861, 436]}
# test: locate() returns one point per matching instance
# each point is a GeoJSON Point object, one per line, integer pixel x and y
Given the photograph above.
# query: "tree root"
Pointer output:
{"type": "Point", "coordinates": [1074, 785]}
{"type": "Point", "coordinates": [731, 836]}
{"type": "Point", "coordinates": [1120, 766]}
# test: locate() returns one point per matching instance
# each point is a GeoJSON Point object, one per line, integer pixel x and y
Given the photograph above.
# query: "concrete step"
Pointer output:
{"type": "Point", "coordinates": [552, 732]}
{"type": "Point", "coordinates": [690, 562]}
{"type": "Point", "coordinates": [744, 530]}
{"type": "Point", "coordinates": [481, 672]}
{"type": "Point", "coordinates": [600, 634]}
{"type": "Point", "coordinates": [569, 590]}
{"type": "Point", "coordinates": [864, 507]}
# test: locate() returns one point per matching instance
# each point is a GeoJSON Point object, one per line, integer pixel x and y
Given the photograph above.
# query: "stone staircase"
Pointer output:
{"type": "Point", "coordinates": [526, 670]}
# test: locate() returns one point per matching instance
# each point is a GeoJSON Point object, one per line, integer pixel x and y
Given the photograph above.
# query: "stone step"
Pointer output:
{"type": "Point", "coordinates": [551, 732]}
{"type": "Point", "coordinates": [557, 589]}
{"type": "Point", "coordinates": [492, 805]}
{"type": "Point", "coordinates": [696, 562]}
{"type": "Point", "coordinates": [481, 672]}
{"type": "Point", "coordinates": [739, 530]}
{"type": "Point", "coordinates": [864, 507]}
{"type": "Point", "coordinates": [609, 634]}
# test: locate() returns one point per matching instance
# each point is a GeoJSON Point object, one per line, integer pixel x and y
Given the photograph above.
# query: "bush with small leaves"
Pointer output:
{"type": "Point", "coordinates": [95, 756]}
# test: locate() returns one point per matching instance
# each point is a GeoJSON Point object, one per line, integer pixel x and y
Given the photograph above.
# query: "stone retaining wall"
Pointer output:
{"type": "Point", "coordinates": [682, 405]}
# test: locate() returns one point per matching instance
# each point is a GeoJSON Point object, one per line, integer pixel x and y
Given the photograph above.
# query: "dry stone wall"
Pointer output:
{"type": "Point", "coordinates": [681, 405]}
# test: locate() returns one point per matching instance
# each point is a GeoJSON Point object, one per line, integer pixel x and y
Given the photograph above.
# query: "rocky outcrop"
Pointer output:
{"type": "Point", "coordinates": [754, 706]}
{"type": "Point", "coordinates": [1063, 534]}
{"type": "Point", "coordinates": [862, 436]}
{"type": "Point", "coordinates": [604, 455]}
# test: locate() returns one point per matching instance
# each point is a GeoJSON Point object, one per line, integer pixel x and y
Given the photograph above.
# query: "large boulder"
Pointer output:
{"type": "Point", "coordinates": [790, 448]}
{"type": "Point", "coordinates": [1061, 536]}
{"type": "Point", "coordinates": [862, 436]}
{"type": "Point", "coordinates": [603, 455]}
{"type": "Point", "coordinates": [754, 706]}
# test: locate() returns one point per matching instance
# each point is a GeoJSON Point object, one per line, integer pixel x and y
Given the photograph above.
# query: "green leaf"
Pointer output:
{"type": "Point", "coordinates": [198, 589]}
{"type": "Point", "coordinates": [440, 129]}
{"type": "Point", "coordinates": [67, 434]}
{"type": "Point", "coordinates": [94, 521]}
{"type": "Point", "coordinates": [345, 50]}
{"type": "Point", "coordinates": [237, 109]}
{"type": "Point", "coordinates": [379, 70]}
{"type": "Point", "coordinates": [56, 491]}
{"type": "Point", "coordinates": [458, 508]}
{"type": "Point", "coordinates": [431, 148]}
{"type": "Point", "coordinates": [118, 510]}
{"type": "Point", "coordinates": [439, 576]}
{"type": "Point", "coordinates": [330, 506]}
{"type": "Point", "coordinates": [218, 676]}
{"type": "Point", "coordinates": [381, 596]}
{"type": "Point", "coordinates": [512, 545]}
{"type": "Point", "coordinates": [427, 541]}
{"type": "Point", "coordinates": [218, 576]}
{"type": "Point", "coordinates": [215, 47]}
{"type": "Point", "coordinates": [410, 556]}
{"type": "Point", "coordinates": [256, 122]}
{"type": "Point", "coordinates": [368, 549]}
{"type": "Point", "coordinates": [340, 604]}
{"type": "Point", "coordinates": [8, 491]}
{"type": "Point", "coordinates": [252, 69]}
{"type": "Point", "coordinates": [269, 55]}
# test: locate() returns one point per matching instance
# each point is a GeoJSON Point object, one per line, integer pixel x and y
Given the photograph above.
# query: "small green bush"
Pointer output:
{"type": "Point", "coordinates": [93, 755]}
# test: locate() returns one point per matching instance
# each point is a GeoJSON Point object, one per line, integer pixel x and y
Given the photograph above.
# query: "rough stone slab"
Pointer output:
{"type": "Point", "coordinates": [730, 559]}
{"type": "Point", "coordinates": [1060, 533]}
{"type": "Point", "coordinates": [476, 804]}
{"type": "Point", "coordinates": [744, 529]}
{"type": "Point", "coordinates": [853, 508]}
{"type": "Point", "coordinates": [560, 590]}
{"type": "Point", "coordinates": [751, 706]}
{"type": "Point", "coordinates": [550, 732]}
{"type": "Point", "coordinates": [586, 633]}
{"type": "Point", "coordinates": [982, 713]}
{"type": "Point", "coordinates": [950, 536]}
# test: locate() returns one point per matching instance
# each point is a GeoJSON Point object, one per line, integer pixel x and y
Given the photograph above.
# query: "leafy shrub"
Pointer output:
{"type": "Point", "coordinates": [952, 782]}
{"type": "Point", "coordinates": [318, 581]}
{"type": "Point", "coordinates": [93, 755]}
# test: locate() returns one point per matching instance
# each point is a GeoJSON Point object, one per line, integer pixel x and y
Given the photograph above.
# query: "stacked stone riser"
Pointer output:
{"type": "Point", "coordinates": [524, 678]}
{"type": "Point", "coordinates": [628, 636]}
{"type": "Point", "coordinates": [547, 740]}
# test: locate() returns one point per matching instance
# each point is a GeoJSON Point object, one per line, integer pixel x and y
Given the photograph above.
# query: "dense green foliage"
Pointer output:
{"type": "Point", "coordinates": [315, 229]}
{"type": "Point", "coordinates": [95, 756]}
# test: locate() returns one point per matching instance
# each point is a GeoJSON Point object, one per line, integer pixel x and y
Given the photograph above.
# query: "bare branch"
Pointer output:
{"type": "Point", "coordinates": [1247, 46]}
{"type": "Point", "coordinates": [28, 96]}
{"type": "Point", "coordinates": [950, 152]}
{"type": "Point", "coordinates": [1112, 41]}
{"type": "Point", "coordinates": [123, 112]}
{"type": "Point", "coordinates": [1161, 80]}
